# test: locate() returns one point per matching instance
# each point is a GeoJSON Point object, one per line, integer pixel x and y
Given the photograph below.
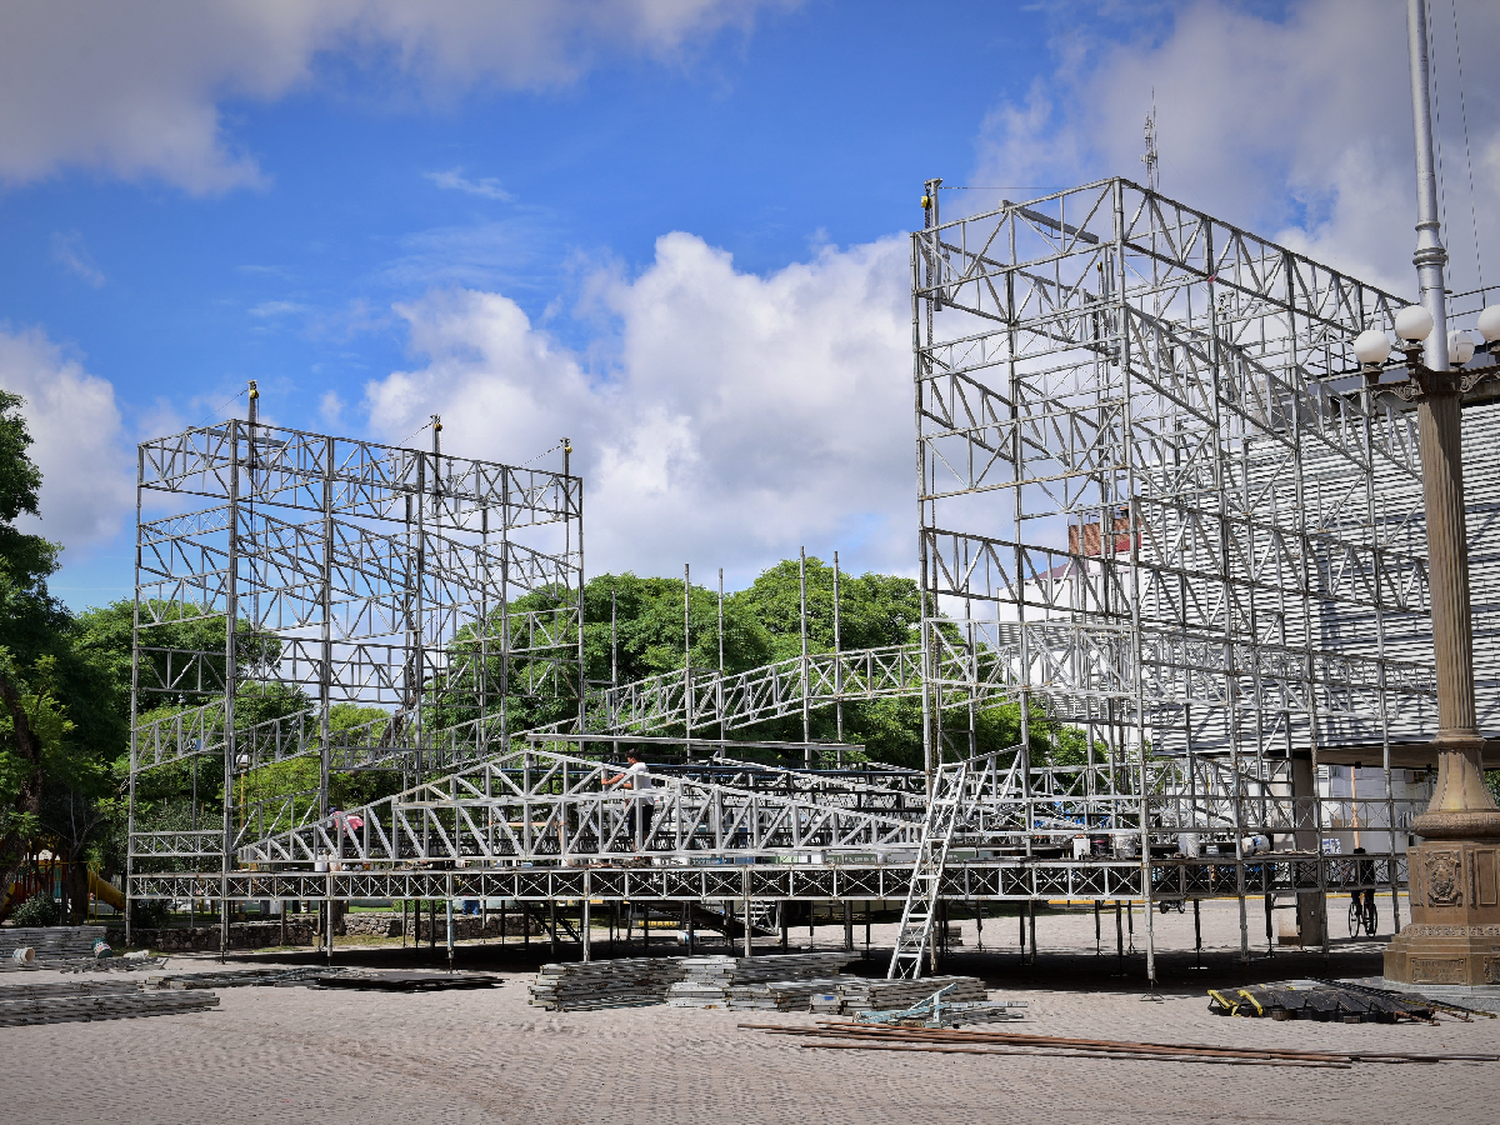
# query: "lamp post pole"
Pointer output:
{"type": "Point", "coordinates": [1454, 874]}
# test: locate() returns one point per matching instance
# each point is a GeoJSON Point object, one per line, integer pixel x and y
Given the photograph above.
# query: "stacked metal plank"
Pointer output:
{"type": "Point", "coordinates": [84, 1001]}
{"type": "Point", "coordinates": [586, 985]}
{"type": "Point", "coordinates": [51, 944]}
{"type": "Point", "coordinates": [1320, 1000]}
{"type": "Point", "coordinates": [240, 978]}
{"type": "Point", "coordinates": [865, 995]}
{"type": "Point", "coordinates": [788, 995]}
{"type": "Point", "coordinates": [708, 981]}
{"type": "Point", "coordinates": [967, 1012]}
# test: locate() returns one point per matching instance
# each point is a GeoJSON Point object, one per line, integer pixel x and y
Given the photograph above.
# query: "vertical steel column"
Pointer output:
{"type": "Point", "coordinates": [135, 687]}
{"type": "Point", "coordinates": [582, 659]}
{"type": "Point", "coordinates": [687, 647]}
{"type": "Point", "coordinates": [719, 683]}
{"type": "Point", "coordinates": [806, 678]}
{"type": "Point", "coordinates": [325, 670]}
{"type": "Point", "coordinates": [1430, 257]}
{"type": "Point", "coordinates": [745, 894]}
{"type": "Point", "coordinates": [838, 666]}
{"type": "Point", "coordinates": [231, 676]}
{"type": "Point", "coordinates": [922, 253]}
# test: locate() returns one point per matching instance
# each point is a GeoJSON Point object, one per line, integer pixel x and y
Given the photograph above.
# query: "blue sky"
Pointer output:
{"type": "Point", "coordinates": [667, 227]}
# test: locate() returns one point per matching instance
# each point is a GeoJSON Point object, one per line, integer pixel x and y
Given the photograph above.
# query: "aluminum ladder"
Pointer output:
{"type": "Point", "coordinates": [927, 875]}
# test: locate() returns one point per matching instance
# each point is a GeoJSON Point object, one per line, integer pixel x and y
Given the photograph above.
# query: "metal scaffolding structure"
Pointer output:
{"type": "Point", "coordinates": [1159, 509]}
{"type": "Point", "coordinates": [1159, 501]}
{"type": "Point", "coordinates": [339, 605]}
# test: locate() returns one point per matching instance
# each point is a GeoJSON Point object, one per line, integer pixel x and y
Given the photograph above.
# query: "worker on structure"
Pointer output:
{"type": "Point", "coordinates": [642, 806]}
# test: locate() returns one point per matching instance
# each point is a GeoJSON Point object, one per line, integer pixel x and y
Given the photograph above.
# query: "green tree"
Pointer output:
{"type": "Point", "coordinates": [62, 721]}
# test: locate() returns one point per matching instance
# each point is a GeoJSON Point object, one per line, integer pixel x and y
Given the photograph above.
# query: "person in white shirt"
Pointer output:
{"type": "Point", "coordinates": [642, 808]}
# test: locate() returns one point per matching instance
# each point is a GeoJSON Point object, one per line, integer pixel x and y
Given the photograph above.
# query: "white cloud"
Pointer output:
{"type": "Point", "coordinates": [1300, 130]}
{"type": "Point", "coordinates": [331, 408]}
{"type": "Point", "coordinates": [453, 180]}
{"type": "Point", "coordinates": [269, 309]}
{"type": "Point", "coordinates": [77, 440]}
{"type": "Point", "coordinates": [744, 415]}
{"type": "Point", "coordinates": [135, 89]}
{"type": "Point", "coordinates": [69, 252]}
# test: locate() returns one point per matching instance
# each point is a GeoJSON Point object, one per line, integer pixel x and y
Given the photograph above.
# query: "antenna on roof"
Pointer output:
{"type": "Point", "coordinates": [1153, 179]}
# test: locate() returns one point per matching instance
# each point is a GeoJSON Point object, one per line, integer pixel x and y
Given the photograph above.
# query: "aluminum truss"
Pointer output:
{"type": "Point", "coordinates": [1156, 504]}
{"type": "Point", "coordinates": [1157, 500]}
{"type": "Point", "coordinates": [426, 589]}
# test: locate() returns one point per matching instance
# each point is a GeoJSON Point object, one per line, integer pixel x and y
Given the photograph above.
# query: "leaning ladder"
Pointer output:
{"type": "Point", "coordinates": [927, 876]}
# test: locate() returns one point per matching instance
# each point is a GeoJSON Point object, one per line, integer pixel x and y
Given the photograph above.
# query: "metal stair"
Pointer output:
{"type": "Point", "coordinates": [927, 875]}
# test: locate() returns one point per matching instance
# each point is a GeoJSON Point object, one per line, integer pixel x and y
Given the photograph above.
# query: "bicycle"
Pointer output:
{"type": "Point", "coordinates": [1362, 915]}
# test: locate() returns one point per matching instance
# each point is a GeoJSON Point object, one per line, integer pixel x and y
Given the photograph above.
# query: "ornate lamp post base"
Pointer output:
{"type": "Point", "coordinates": [1454, 877]}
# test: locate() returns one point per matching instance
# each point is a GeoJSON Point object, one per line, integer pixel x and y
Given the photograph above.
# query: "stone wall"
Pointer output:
{"type": "Point", "coordinates": [301, 930]}
{"type": "Point", "coordinates": [466, 927]}
{"type": "Point", "coordinates": [242, 935]}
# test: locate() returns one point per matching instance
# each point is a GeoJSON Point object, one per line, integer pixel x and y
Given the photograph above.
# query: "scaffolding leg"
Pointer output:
{"type": "Point", "coordinates": [745, 895]}
{"type": "Point", "coordinates": [588, 922]}
{"type": "Point", "coordinates": [1197, 935]}
{"type": "Point", "coordinates": [848, 926]}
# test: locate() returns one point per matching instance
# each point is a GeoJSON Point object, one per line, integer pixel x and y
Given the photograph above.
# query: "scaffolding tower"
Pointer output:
{"type": "Point", "coordinates": [339, 607]}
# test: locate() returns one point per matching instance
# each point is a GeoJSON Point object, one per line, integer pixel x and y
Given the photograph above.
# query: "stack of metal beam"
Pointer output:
{"type": "Point", "coordinates": [786, 995]}
{"type": "Point", "coordinates": [707, 981]}
{"type": "Point", "coordinates": [241, 978]}
{"type": "Point", "coordinates": [50, 943]}
{"type": "Point", "coordinates": [967, 1012]}
{"type": "Point", "coordinates": [83, 1001]}
{"type": "Point", "coordinates": [865, 995]}
{"type": "Point", "coordinates": [586, 985]}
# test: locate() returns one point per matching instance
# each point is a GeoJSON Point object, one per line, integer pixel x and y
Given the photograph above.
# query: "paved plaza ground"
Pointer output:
{"type": "Point", "coordinates": [294, 1054]}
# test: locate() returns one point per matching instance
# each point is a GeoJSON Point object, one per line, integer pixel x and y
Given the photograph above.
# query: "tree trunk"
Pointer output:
{"type": "Point", "coordinates": [28, 806]}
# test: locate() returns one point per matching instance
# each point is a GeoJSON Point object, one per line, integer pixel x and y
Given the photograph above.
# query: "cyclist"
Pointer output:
{"type": "Point", "coordinates": [1364, 894]}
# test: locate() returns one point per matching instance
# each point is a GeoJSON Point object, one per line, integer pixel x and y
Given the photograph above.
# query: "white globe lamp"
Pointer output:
{"type": "Point", "coordinates": [1460, 348]}
{"type": "Point", "coordinates": [1413, 323]}
{"type": "Point", "coordinates": [1371, 347]}
{"type": "Point", "coordinates": [1489, 323]}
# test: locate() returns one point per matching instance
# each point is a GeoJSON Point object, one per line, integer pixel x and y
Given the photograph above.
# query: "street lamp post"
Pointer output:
{"type": "Point", "coordinates": [1454, 874]}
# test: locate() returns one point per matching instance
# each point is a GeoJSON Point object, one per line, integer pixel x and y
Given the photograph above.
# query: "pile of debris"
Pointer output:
{"type": "Point", "coordinates": [85, 1001]}
{"type": "Point", "coordinates": [1324, 1000]}
{"type": "Point", "coordinates": [588, 985]}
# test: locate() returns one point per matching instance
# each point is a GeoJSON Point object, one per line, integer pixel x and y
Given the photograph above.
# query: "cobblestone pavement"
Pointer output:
{"type": "Point", "coordinates": [275, 1054]}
